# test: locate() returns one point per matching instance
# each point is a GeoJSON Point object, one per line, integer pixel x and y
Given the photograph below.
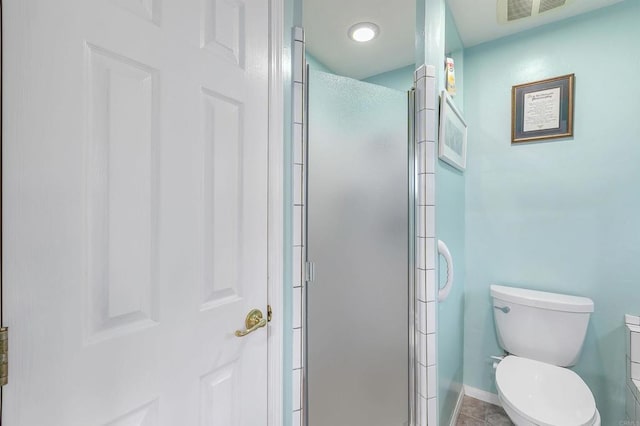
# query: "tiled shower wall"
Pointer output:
{"type": "Point", "coordinates": [425, 273]}
{"type": "Point", "coordinates": [299, 218]}
{"type": "Point", "coordinates": [425, 319]}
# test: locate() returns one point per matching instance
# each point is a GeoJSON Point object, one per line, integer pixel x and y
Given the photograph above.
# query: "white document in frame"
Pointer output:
{"type": "Point", "coordinates": [542, 110]}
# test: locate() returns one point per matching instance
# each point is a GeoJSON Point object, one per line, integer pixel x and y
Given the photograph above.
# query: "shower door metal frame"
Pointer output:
{"type": "Point", "coordinates": [411, 229]}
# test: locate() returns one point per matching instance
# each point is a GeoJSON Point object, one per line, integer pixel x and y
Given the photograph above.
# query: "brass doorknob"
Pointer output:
{"type": "Point", "coordinates": [253, 322]}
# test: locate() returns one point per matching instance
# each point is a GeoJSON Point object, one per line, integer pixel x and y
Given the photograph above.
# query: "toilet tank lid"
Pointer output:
{"type": "Point", "coordinates": [542, 299]}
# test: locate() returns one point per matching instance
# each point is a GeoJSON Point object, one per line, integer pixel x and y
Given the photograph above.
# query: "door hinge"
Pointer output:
{"type": "Point", "coordinates": [310, 272]}
{"type": "Point", "coordinates": [4, 356]}
{"type": "Point", "coordinates": [269, 313]}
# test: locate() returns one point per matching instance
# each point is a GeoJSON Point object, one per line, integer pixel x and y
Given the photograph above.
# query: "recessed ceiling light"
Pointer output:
{"type": "Point", "coordinates": [363, 31]}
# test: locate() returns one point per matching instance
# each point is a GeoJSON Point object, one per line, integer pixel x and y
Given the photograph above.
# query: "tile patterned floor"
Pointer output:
{"type": "Point", "coordinates": [479, 413]}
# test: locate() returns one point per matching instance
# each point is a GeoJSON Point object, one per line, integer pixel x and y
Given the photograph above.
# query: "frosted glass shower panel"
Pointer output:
{"type": "Point", "coordinates": [357, 328]}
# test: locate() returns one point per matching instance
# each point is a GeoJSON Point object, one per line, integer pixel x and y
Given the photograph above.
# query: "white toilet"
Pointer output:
{"type": "Point", "coordinates": [543, 333]}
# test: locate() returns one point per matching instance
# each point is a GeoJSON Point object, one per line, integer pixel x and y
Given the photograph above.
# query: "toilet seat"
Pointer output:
{"type": "Point", "coordinates": [544, 394]}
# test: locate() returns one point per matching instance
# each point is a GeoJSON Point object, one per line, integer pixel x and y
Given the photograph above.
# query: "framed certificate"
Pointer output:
{"type": "Point", "coordinates": [542, 109]}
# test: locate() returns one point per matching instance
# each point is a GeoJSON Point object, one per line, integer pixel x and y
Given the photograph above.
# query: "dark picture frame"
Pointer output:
{"type": "Point", "coordinates": [542, 109]}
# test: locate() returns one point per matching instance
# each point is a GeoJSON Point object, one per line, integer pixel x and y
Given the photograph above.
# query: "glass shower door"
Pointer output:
{"type": "Point", "coordinates": [357, 305]}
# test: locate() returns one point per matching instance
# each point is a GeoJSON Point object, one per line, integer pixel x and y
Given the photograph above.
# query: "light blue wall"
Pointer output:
{"type": "Point", "coordinates": [562, 215]}
{"type": "Point", "coordinates": [450, 228]}
{"type": "Point", "coordinates": [455, 49]}
{"type": "Point", "coordinates": [398, 79]}
{"type": "Point", "coordinates": [315, 64]}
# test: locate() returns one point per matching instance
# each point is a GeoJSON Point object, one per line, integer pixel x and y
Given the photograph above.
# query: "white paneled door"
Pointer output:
{"type": "Point", "coordinates": [135, 211]}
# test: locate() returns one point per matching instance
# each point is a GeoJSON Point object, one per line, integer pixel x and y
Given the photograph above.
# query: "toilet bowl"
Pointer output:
{"type": "Point", "coordinates": [540, 394]}
{"type": "Point", "coordinates": [542, 334]}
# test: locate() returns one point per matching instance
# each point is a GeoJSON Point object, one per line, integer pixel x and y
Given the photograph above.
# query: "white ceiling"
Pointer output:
{"type": "Point", "coordinates": [477, 23]}
{"type": "Point", "coordinates": [326, 23]}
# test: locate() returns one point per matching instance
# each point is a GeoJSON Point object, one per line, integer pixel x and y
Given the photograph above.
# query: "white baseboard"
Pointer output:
{"type": "Point", "coordinates": [456, 410]}
{"type": "Point", "coordinates": [482, 395]}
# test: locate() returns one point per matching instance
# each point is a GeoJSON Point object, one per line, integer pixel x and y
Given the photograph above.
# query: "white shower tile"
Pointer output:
{"type": "Point", "coordinates": [297, 418]}
{"type": "Point", "coordinates": [631, 319]}
{"type": "Point", "coordinates": [635, 387]}
{"type": "Point", "coordinates": [421, 126]}
{"type": "Point", "coordinates": [297, 389]}
{"type": "Point", "coordinates": [298, 62]}
{"type": "Point", "coordinates": [635, 370]}
{"type": "Point", "coordinates": [431, 349]}
{"type": "Point", "coordinates": [422, 420]}
{"type": "Point", "coordinates": [303, 234]}
{"type": "Point", "coordinates": [430, 253]}
{"type": "Point", "coordinates": [634, 352]}
{"type": "Point", "coordinates": [422, 317]}
{"type": "Point", "coordinates": [421, 408]}
{"type": "Point", "coordinates": [422, 190]}
{"type": "Point", "coordinates": [421, 153]}
{"type": "Point", "coordinates": [299, 66]}
{"type": "Point", "coordinates": [297, 267]}
{"type": "Point", "coordinates": [431, 382]}
{"type": "Point", "coordinates": [431, 317]}
{"type": "Point", "coordinates": [422, 382]}
{"type": "Point", "coordinates": [297, 225]}
{"type": "Point", "coordinates": [430, 189]}
{"type": "Point", "coordinates": [422, 349]}
{"type": "Point", "coordinates": [633, 328]}
{"type": "Point", "coordinates": [431, 285]}
{"type": "Point", "coordinates": [432, 412]}
{"type": "Point", "coordinates": [298, 105]}
{"type": "Point", "coordinates": [297, 307]}
{"type": "Point", "coordinates": [298, 155]}
{"type": "Point", "coordinates": [430, 221]}
{"type": "Point", "coordinates": [420, 95]}
{"type": "Point", "coordinates": [430, 125]}
{"type": "Point", "coordinates": [430, 71]}
{"type": "Point", "coordinates": [420, 253]}
{"type": "Point", "coordinates": [421, 285]}
{"type": "Point", "coordinates": [430, 157]}
{"type": "Point", "coordinates": [297, 184]}
{"type": "Point", "coordinates": [430, 93]}
{"type": "Point", "coordinates": [421, 220]}
{"type": "Point", "coordinates": [421, 72]}
{"type": "Point", "coordinates": [297, 348]}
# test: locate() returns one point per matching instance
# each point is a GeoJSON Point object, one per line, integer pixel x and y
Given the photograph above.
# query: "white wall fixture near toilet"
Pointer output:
{"type": "Point", "coordinates": [543, 333]}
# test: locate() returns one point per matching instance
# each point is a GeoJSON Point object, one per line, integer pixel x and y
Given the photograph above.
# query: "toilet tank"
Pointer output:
{"type": "Point", "coordinates": [547, 327]}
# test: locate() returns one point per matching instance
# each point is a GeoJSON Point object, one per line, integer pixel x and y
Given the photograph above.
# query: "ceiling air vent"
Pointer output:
{"type": "Point", "coordinates": [550, 4]}
{"type": "Point", "coordinates": [512, 10]}
{"type": "Point", "coordinates": [518, 9]}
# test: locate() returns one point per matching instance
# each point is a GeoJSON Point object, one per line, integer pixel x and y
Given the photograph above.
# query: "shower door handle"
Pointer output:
{"type": "Point", "coordinates": [443, 292]}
